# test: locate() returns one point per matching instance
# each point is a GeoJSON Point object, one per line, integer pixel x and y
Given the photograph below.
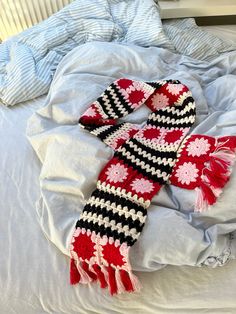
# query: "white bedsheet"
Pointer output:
{"type": "Point", "coordinates": [34, 274]}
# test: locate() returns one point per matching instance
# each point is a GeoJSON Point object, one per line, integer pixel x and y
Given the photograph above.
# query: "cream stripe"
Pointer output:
{"type": "Point", "coordinates": [112, 224]}
{"type": "Point", "coordinates": [142, 152]}
{"type": "Point", "coordinates": [102, 186]}
{"type": "Point", "coordinates": [123, 211]}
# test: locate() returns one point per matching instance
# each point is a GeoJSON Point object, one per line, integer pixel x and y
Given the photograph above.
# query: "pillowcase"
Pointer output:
{"type": "Point", "coordinates": [193, 41]}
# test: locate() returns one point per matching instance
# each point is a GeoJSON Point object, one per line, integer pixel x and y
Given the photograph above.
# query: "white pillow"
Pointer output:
{"type": "Point", "coordinates": [18, 15]}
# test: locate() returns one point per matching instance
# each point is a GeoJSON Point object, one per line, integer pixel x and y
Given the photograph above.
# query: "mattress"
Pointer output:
{"type": "Point", "coordinates": [34, 272]}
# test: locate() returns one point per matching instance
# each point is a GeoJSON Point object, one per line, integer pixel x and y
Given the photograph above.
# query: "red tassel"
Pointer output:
{"type": "Point", "coordinates": [217, 166]}
{"type": "Point", "coordinates": [229, 142]}
{"type": "Point", "coordinates": [100, 276]}
{"type": "Point", "coordinates": [225, 164]}
{"type": "Point", "coordinates": [91, 274]}
{"type": "Point", "coordinates": [126, 280]}
{"type": "Point", "coordinates": [217, 180]}
{"type": "Point", "coordinates": [112, 280]}
{"type": "Point", "coordinates": [208, 194]}
{"type": "Point", "coordinates": [74, 273]}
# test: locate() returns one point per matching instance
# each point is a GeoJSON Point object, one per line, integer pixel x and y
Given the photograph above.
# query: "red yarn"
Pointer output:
{"type": "Point", "coordinates": [217, 165]}
{"type": "Point", "coordinates": [100, 276]}
{"type": "Point", "coordinates": [112, 280]}
{"type": "Point", "coordinates": [228, 141]}
{"type": "Point", "coordinates": [216, 179]}
{"type": "Point", "coordinates": [208, 194]}
{"type": "Point", "coordinates": [91, 274]}
{"type": "Point", "coordinates": [125, 278]}
{"type": "Point", "coordinates": [74, 274]}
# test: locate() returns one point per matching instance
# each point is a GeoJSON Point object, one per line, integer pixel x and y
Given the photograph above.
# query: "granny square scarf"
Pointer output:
{"type": "Point", "coordinates": [145, 158]}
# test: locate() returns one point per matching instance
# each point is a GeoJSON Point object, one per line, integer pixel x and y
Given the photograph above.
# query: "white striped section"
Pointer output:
{"type": "Point", "coordinates": [158, 160]}
{"type": "Point", "coordinates": [26, 73]}
{"type": "Point", "coordinates": [118, 104]}
{"type": "Point", "coordinates": [191, 40]}
{"type": "Point", "coordinates": [18, 15]}
{"type": "Point", "coordinates": [158, 145]}
{"type": "Point", "coordinates": [109, 106]}
{"type": "Point", "coordinates": [121, 210]}
{"type": "Point", "coordinates": [172, 121]}
{"type": "Point", "coordinates": [101, 129]}
{"type": "Point", "coordinates": [175, 110]}
{"type": "Point", "coordinates": [102, 186]}
{"type": "Point", "coordinates": [146, 167]}
{"type": "Point", "coordinates": [112, 224]}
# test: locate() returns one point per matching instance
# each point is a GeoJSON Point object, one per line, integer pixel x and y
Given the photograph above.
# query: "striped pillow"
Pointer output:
{"type": "Point", "coordinates": [18, 15]}
{"type": "Point", "coordinates": [192, 40]}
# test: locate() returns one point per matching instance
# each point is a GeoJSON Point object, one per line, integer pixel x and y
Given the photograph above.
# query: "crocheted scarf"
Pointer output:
{"type": "Point", "coordinates": [145, 158]}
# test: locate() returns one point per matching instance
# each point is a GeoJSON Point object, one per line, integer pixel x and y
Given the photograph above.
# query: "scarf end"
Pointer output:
{"type": "Point", "coordinates": [115, 279]}
{"type": "Point", "coordinates": [215, 175]}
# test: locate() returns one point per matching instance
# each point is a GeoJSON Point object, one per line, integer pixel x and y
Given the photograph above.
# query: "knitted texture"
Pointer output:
{"type": "Point", "coordinates": [204, 164]}
{"type": "Point", "coordinates": [145, 159]}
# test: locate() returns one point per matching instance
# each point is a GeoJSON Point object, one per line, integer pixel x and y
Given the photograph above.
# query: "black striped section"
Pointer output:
{"type": "Point", "coordinates": [155, 84]}
{"type": "Point", "coordinates": [173, 82]}
{"type": "Point", "coordinates": [164, 168]}
{"type": "Point", "coordinates": [152, 151]}
{"type": "Point", "coordinates": [115, 108]}
{"type": "Point", "coordinates": [99, 210]}
{"type": "Point", "coordinates": [158, 85]}
{"type": "Point", "coordinates": [166, 114]}
{"type": "Point", "coordinates": [105, 231]}
{"type": "Point", "coordinates": [144, 172]}
{"type": "Point", "coordinates": [104, 134]}
{"type": "Point", "coordinates": [169, 124]}
{"type": "Point", "coordinates": [184, 104]}
{"type": "Point", "coordinates": [119, 200]}
{"type": "Point", "coordinates": [123, 103]}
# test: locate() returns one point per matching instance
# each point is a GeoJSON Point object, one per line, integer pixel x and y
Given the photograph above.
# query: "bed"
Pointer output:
{"type": "Point", "coordinates": [41, 194]}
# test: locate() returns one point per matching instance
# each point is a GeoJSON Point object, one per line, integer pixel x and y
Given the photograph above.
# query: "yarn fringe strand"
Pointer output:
{"type": "Point", "coordinates": [215, 175]}
{"type": "Point", "coordinates": [116, 280]}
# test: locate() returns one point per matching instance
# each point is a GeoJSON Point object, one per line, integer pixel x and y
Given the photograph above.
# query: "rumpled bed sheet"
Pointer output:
{"type": "Point", "coordinates": [28, 61]}
{"type": "Point", "coordinates": [72, 158]}
{"type": "Point", "coordinates": [34, 275]}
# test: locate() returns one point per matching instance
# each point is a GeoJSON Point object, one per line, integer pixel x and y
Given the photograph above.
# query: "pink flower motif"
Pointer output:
{"type": "Point", "coordinates": [136, 93]}
{"type": "Point", "coordinates": [117, 173]}
{"type": "Point", "coordinates": [90, 112]}
{"type": "Point", "coordinates": [187, 173]}
{"type": "Point", "coordinates": [142, 186]}
{"type": "Point", "coordinates": [198, 147]}
{"type": "Point", "coordinates": [174, 89]}
{"type": "Point", "coordinates": [125, 135]}
{"type": "Point", "coordinates": [160, 101]}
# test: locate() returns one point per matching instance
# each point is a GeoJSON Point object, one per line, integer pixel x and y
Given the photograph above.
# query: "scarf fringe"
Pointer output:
{"type": "Point", "coordinates": [117, 280]}
{"type": "Point", "coordinates": [215, 175]}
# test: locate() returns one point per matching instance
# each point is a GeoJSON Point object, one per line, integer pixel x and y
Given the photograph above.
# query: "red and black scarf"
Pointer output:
{"type": "Point", "coordinates": [145, 159]}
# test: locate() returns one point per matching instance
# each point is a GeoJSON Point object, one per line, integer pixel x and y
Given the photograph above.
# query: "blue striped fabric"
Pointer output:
{"type": "Point", "coordinates": [28, 61]}
{"type": "Point", "coordinates": [191, 40]}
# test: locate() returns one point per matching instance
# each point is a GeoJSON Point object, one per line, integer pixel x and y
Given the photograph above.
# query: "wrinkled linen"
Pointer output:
{"type": "Point", "coordinates": [72, 159]}
{"type": "Point", "coordinates": [28, 61]}
{"type": "Point", "coordinates": [33, 272]}
{"type": "Point", "coordinates": [194, 41]}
